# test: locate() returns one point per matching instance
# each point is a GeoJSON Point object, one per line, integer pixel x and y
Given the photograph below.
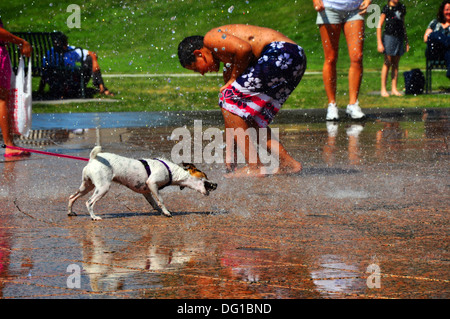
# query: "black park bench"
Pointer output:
{"type": "Point", "coordinates": [63, 80]}
{"type": "Point", "coordinates": [431, 64]}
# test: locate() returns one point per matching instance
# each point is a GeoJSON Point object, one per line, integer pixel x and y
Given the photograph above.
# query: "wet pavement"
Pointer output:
{"type": "Point", "coordinates": [367, 217]}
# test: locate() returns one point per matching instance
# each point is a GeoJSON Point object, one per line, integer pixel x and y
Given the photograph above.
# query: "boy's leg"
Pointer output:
{"type": "Point", "coordinates": [230, 152]}
{"type": "Point", "coordinates": [287, 164]}
{"type": "Point", "coordinates": [236, 129]}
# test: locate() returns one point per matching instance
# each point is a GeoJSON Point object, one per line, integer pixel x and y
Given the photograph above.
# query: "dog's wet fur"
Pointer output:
{"type": "Point", "coordinates": [105, 168]}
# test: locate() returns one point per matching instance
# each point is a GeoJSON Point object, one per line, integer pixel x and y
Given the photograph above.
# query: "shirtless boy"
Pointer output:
{"type": "Point", "coordinates": [261, 68]}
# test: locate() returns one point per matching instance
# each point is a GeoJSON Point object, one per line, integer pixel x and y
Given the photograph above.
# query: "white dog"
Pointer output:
{"type": "Point", "coordinates": [146, 176]}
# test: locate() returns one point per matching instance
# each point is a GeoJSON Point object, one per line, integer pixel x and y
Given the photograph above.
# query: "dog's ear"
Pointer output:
{"type": "Point", "coordinates": [188, 165]}
{"type": "Point", "coordinates": [194, 171]}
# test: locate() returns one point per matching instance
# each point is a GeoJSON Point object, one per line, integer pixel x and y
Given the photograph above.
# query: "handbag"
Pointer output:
{"type": "Point", "coordinates": [19, 105]}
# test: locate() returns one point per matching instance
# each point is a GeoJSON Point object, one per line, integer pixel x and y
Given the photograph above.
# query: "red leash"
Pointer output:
{"type": "Point", "coordinates": [45, 153]}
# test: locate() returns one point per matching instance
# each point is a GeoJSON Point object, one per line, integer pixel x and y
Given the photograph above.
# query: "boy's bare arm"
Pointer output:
{"type": "Point", "coordinates": [226, 73]}
{"type": "Point", "coordinates": [229, 49]}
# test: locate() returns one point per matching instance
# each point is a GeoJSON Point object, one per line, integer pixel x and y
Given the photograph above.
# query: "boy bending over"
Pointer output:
{"type": "Point", "coordinates": [261, 69]}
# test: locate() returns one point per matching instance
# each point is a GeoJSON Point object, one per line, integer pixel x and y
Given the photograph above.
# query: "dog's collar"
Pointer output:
{"type": "Point", "coordinates": [147, 168]}
{"type": "Point", "coordinates": [168, 169]}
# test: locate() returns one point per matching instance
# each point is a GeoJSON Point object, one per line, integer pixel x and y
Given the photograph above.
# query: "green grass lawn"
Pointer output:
{"type": "Point", "coordinates": [137, 36]}
{"type": "Point", "coordinates": [201, 93]}
{"type": "Point", "coordinates": [141, 37]}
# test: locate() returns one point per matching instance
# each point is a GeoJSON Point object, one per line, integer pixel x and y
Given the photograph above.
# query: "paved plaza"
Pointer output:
{"type": "Point", "coordinates": [368, 217]}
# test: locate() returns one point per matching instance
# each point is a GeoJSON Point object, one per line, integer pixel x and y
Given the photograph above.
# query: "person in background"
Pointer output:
{"type": "Point", "coordinates": [5, 86]}
{"type": "Point", "coordinates": [437, 36]}
{"type": "Point", "coordinates": [334, 16]}
{"type": "Point", "coordinates": [73, 55]}
{"type": "Point", "coordinates": [392, 42]}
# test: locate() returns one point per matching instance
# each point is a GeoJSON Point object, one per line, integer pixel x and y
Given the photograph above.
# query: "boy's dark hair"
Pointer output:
{"type": "Point", "coordinates": [187, 47]}
{"type": "Point", "coordinates": [440, 15]}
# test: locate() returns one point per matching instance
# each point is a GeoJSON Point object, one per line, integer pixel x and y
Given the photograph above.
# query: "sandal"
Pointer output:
{"type": "Point", "coordinates": [17, 154]}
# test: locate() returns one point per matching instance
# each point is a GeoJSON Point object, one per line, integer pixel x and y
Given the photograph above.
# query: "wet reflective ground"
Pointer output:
{"type": "Point", "coordinates": [367, 217]}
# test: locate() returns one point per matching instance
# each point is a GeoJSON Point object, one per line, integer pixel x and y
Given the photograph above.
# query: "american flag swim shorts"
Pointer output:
{"type": "Point", "coordinates": [261, 90]}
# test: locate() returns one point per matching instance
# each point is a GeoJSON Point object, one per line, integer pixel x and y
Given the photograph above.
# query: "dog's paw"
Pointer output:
{"type": "Point", "coordinates": [70, 214]}
{"type": "Point", "coordinates": [167, 214]}
{"type": "Point", "coordinates": [95, 218]}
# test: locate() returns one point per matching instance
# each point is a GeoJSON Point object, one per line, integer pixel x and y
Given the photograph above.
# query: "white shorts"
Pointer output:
{"type": "Point", "coordinates": [332, 16]}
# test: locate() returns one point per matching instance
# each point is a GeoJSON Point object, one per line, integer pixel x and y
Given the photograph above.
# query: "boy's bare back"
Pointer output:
{"type": "Point", "coordinates": [238, 45]}
{"type": "Point", "coordinates": [242, 35]}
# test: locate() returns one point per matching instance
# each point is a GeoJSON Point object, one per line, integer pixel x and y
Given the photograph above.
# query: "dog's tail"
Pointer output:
{"type": "Point", "coordinates": [95, 151]}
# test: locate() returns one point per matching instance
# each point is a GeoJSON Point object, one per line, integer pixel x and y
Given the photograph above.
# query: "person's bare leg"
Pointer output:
{"type": "Point", "coordinates": [354, 34]}
{"type": "Point", "coordinates": [287, 164]}
{"type": "Point", "coordinates": [5, 122]}
{"type": "Point", "coordinates": [230, 151]}
{"type": "Point", "coordinates": [330, 34]}
{"type": "Point", "coordinates": [394, 76]}
{"type": "Point", "coordinates": [96, 68]}
{"type": "Point", "coordinates": [237, 128]}
{"type": "Point", "coordinates": [384, 75]}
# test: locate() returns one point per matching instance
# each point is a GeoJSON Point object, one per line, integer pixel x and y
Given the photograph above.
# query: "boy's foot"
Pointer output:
{"type": "Point", "coordinates": [246, 171]}
{"type": "Point", "coordinates": [332, 112]}
{"type": "Point", "coordinates": [384, 94]}
{"type": "Point", "coordinates": [354, 111]}
{"type": "Point", "coordinates": [289, 169]}
{"type": "Point", "coordinates": [396, 93]}
{"type": "Point", "coordinates": [262, 171]}
{"type": "Point", "coordinates": [230, 167]}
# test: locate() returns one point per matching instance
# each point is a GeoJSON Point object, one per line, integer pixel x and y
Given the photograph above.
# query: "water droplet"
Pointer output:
{"type": "Point", "coordinates": [230, 9]}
